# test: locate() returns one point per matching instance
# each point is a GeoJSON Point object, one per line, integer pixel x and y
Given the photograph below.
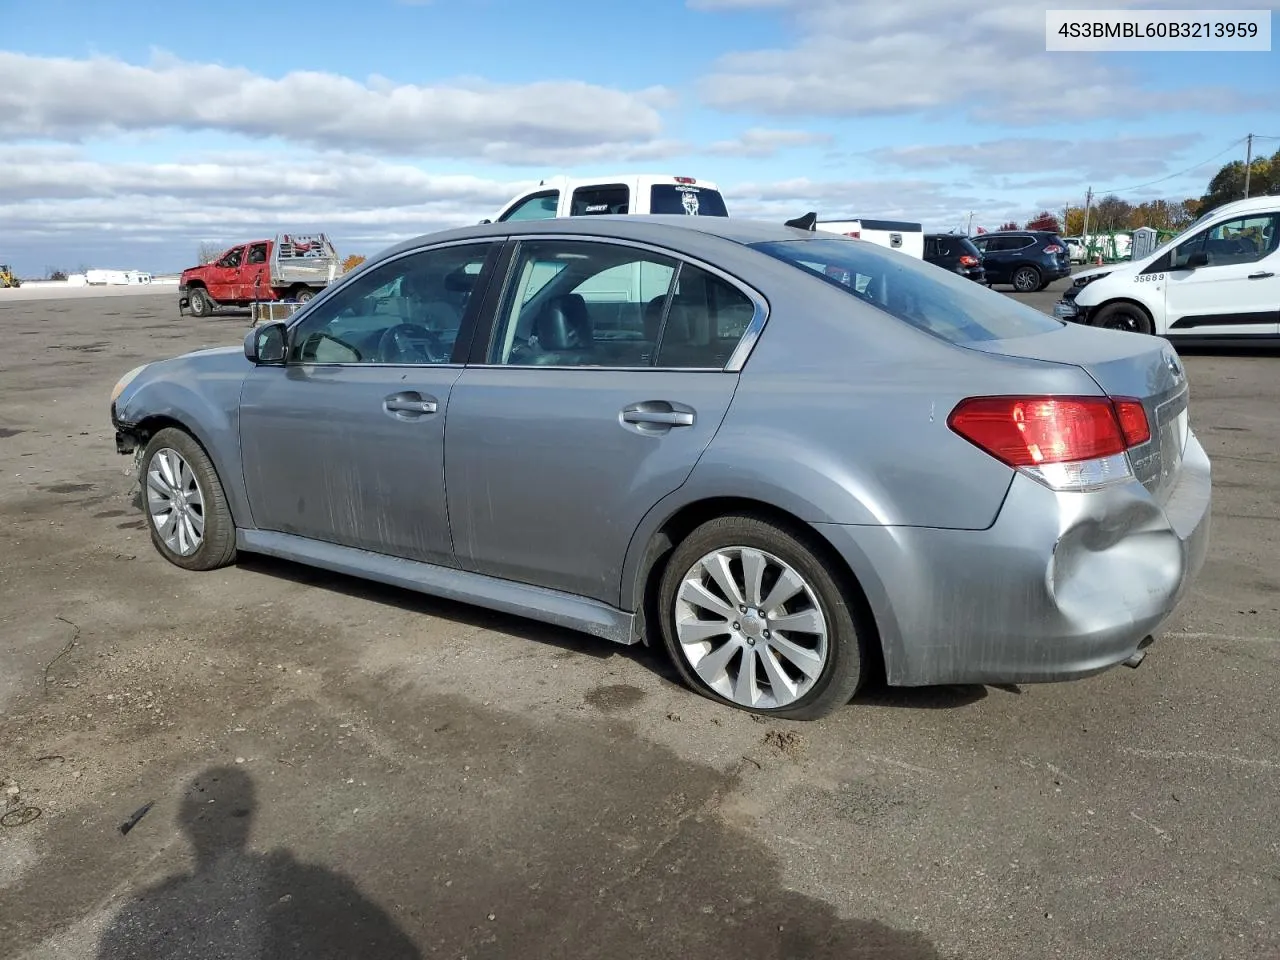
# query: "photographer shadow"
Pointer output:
{"type": "Point", "coordinates": [242, 904]}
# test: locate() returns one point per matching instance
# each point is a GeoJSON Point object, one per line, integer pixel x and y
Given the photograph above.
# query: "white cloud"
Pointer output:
{"type": "Point", "coordinates": [932, 204]}
{"type": "Point", "coordinates": [1105, 158]}
{"type": "Point", "coordinates": [550, 121]}
{"type": "Point", "coordinates": [868, 57]}
{"type": "Point", "coordinates": [63, 208]}
{"type": "Point", "coordinates": [763, 142]}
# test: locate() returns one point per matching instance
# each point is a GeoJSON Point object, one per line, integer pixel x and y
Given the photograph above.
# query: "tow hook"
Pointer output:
{"type": "Point", "coordinates": [1141, 653]}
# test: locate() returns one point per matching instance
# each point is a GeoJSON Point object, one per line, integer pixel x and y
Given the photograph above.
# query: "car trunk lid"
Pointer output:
{"type": "Point", "coordinates": [1123, 365]}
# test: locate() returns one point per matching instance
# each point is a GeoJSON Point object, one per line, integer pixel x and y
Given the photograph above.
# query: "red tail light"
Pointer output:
{"type": "Point", "coordinates": [856, 234]}
{"type": "Point", "coordinates": [1053, 248]}
{"type": "Point", "coordinates": [1036, 431]}
{"type": "Point", "coordinates": [1133, 421]}
{"type": "Point", "coordinates": [968, 261]}
{"type": "Point", "coordinates": [684, 180]}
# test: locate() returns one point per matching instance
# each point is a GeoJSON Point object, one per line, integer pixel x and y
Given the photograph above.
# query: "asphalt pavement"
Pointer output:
{"type": "Point", "coordinates": [310, 765]}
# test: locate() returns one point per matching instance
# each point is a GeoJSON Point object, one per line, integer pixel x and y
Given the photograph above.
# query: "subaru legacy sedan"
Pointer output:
{"type": "Point", "coordinates": [793, 460]}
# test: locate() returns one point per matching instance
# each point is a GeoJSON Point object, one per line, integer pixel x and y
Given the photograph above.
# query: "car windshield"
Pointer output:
{"type": "Point", "coordinates": [939, 302]}
{"type": "Point", "coordinates": [686, 199]}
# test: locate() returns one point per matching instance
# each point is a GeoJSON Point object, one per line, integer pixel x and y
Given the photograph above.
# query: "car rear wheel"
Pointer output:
{"type": "Point", "coordinates": [1124, 316]}
{"type": "Point", "coordinates": [1026, 279]}
{"type": "Point", "coordinates": [304, 294]}
{"type": "Point", "coordinates": [751, 617]}
{"type": "Point", "coordinates": [185, 506]}
{"type": "Point", "coordinates": [199, 304]}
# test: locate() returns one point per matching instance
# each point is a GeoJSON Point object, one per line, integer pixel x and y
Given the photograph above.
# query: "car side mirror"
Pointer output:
{"type": "Point", "coordinates": [265, 344]}
{"type": "Point", "coordinates": [1197, 259]}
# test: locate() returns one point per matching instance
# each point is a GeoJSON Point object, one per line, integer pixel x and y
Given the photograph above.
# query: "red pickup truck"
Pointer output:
{"type": "Point", "coordinates": [290, 267]}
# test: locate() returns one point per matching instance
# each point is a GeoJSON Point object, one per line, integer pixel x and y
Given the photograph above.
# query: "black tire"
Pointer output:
{"type": "Point", "coordinates": [199, 303]}
{"type": "Point", "coordinates": [841, 675]}
{"type": "Point", "coordinates": [303, 294]}
{"type": "Point", "coordinates": [1026, 279]}
{"type": "Point", "coordinates": [217, 547]}
{"type": "Point", "coordinates": [1129, 317]}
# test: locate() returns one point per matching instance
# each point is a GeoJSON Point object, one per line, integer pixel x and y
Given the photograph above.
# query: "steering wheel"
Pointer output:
{"type": "Point", "coordinates": [407, 343]}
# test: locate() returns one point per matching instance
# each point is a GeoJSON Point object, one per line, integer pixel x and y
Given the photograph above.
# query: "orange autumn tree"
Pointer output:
{"type": "Point", "coordinates": [352, 262]}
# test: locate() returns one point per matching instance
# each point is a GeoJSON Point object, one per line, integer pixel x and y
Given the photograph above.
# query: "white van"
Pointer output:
{"type": "Point", "coordinates": [630, 193]}
{"type": "Point", "coordinates": [901, 235]}
{"type": "Point", "coordinates": [1217, 280]}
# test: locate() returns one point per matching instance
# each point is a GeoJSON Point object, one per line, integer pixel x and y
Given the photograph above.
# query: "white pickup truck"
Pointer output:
{"type": "Point", "coordinates": [564, 196]}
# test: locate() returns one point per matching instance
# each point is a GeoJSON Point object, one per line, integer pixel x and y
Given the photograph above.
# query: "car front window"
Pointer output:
{"type": "Point", "coordinates": [936, 301]}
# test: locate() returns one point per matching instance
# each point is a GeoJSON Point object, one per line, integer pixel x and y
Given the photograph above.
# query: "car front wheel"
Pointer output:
{"type": "Point", "coordinates": [185, 506]}
{"type": "Point", "coordinates": [199, 304]}
{"type": "Point", "coordinates": [1124, 316]}
{"type": "Point", "coordinates": [752, 617]}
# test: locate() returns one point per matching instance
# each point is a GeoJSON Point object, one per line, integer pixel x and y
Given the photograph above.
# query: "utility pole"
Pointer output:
{"type": "Point", "coordinates": [968, 231]}
{"type": "Point", "coordinates": [1088, 202]}
{"type": "Point", "coordinates": [1248, 163]}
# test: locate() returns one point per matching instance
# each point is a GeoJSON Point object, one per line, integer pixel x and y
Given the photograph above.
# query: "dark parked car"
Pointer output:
{"type": "Point", "coordinates": [955, 253]}
{"type": "Point", "coordinates": [1027, 260]}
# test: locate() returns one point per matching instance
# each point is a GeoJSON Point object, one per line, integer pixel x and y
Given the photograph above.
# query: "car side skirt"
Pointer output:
{"type": "Point", "coordinates": [506, 596]}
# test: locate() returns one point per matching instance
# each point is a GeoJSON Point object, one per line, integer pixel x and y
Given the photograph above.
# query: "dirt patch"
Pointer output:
{"type": "Point", "coordinates": [788, 743]}
{"type": "Point", "coordinates": [614, 697]}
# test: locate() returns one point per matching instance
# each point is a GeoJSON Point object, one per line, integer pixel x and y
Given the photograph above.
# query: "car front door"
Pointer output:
{"type": "Point", "coordinates": [345, 442]}
{"type": "Point", "coordinates": [1235, 288]}
{"type": "Point", "coordinates": [224, 280]}
{"type": "Point", "coordinates": [993, 258]}
{"type": "Point", "coordinates": [609, 370]}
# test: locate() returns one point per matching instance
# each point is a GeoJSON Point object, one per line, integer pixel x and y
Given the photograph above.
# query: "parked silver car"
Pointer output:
{"type": "Point", "coordinates": [793, 459]}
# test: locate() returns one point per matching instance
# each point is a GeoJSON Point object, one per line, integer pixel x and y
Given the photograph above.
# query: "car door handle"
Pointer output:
{"type": "Point", "coordinates": [658, 413]}
{"type": "Point", "coordinates": [410, 403]}
{"type": "Point", "coordinates": [670, 418]}
{"type": "Point", "coordinates": [1261, 275]}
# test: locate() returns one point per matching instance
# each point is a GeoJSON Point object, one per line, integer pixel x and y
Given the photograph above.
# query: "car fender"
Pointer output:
{"type": "Point", "coordinates": [211, 417]}
{"type": "Point", "coordinates": [799, 502]}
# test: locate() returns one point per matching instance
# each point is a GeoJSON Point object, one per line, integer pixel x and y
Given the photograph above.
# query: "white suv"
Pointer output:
{"type": "Point", "coordinates": [628, 193]}
{"type": "Point", "coordinates": [1218, 280]}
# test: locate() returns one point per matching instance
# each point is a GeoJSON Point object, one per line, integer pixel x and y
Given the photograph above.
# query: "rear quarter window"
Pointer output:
{"type": "Point", "coordinates": [938, 302]}
{"type": "Point", "coordinates": [686, 199]}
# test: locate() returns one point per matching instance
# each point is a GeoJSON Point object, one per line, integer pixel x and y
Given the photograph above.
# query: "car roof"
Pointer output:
{"type": "Point", "coordinates": [652, 228]}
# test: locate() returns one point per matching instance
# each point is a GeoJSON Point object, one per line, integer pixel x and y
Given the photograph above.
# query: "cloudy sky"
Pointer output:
{"type": "Point", "coordinates": [131, 131]}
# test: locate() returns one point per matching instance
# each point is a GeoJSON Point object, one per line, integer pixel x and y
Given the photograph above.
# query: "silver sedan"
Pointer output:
{"type": "Point", "coordinates": [795, 460]}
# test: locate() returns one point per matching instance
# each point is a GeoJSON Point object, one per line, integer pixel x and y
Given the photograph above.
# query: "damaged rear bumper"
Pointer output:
{"type": "Point", "coordinates": [1061, 586]}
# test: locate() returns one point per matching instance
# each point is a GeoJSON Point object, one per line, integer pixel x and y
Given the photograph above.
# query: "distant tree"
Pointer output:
{"type": "Point", "coordinates": [1228, 183]}
{"type": "Point", "coordinates": [57, 273]}
{"type": "Point", "coordinates": [352, 262]}
{"type": "Point", "coordinates": [1074, 225]}
{"type": "Point", "coordinates": [1111, 213]}
{"type": "Point", "coordinates": [207, 252]}
{"type": "Point", "coordinates": [1011, 225]}
{"type": "Point", "coordinates": [1162, 214]}
{"type": "Point", "coordinates": [1044, 220]}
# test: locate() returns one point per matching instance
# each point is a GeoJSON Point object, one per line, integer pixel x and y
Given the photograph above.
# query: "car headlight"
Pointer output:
{"type": "Point", "coordinates": [125, 381]}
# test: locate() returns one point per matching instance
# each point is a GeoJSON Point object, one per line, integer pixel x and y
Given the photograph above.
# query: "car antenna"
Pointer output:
{"type": "Point", "coordinates": [808, 222]}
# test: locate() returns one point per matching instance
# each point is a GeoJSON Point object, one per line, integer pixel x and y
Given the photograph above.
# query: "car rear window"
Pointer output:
{"type": "Point", "coordinates": [938, 302]}
{"type": "Point", "coordinates": [683, 198]}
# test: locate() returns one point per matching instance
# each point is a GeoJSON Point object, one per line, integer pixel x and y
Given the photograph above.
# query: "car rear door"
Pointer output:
{"type": "Point", "coordinates": [608, 372]}
{"type": "Point", "coordinates": [255, 278]}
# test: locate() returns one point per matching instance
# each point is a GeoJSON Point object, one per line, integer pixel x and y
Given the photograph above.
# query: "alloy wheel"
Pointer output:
{"type": "Point", "coordinates": [175, 502]}
{"type": "Point", "coordinates": [751, 627]}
